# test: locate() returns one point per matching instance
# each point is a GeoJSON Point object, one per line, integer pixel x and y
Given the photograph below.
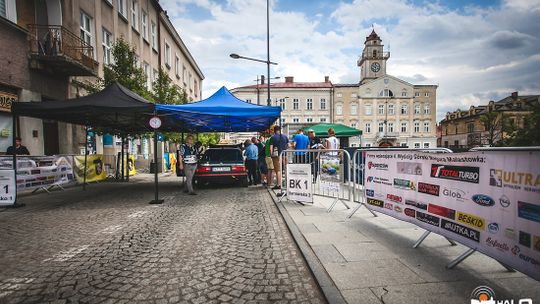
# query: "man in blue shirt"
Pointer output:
{"type": "Point", "coordinates": [300, 142]}
{"type": "Point", "coordinates": [278, 143]}
{"type": "Point", "coordinates": [252, 154]}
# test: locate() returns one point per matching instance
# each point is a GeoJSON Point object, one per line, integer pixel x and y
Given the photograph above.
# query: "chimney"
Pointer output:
{"type": "Point", "coordinates": [514, 95]}
{"type": "Point", "coordinates": [327, 79]}
{"type": "Point", "coordinates": [289, 79]}
{"type": "Point", "coordinates": [262, 79]}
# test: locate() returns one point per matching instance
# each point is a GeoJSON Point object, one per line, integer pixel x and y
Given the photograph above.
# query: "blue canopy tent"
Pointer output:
{"type": "Point", "coordinates": [221, 112]}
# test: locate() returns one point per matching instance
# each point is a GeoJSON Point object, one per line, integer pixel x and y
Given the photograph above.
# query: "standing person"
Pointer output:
{"type": "Point", "coordinates": [300, 142]}
{"type": "Point", "coordinates": [188, 163]}
{"type": "Point", "coordinates": [19, 149]}
{"type": "Point", "coordinates": [268, 160]}
{"type": "Point", "coordinates": [314, 144]}
{"type": "Point", "coordinates": [261, 161]}
{"type": "Point", "coordinates": [278, 143]}
{"type": "Point", "coordinates": [252, 154]}
{"type": "Point", "coordinates": [332, 143]}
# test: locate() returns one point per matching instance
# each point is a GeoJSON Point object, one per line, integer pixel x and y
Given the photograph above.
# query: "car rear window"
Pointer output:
{"type": "Point", "coordinates": [222, 156]}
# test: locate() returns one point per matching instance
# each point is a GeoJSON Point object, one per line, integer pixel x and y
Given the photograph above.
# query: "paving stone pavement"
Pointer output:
{"type": "Point", "coordinates": [108, 245]}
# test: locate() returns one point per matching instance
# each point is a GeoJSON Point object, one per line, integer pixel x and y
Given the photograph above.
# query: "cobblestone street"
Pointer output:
{"type": "Point", "coordinates": [109, 245]}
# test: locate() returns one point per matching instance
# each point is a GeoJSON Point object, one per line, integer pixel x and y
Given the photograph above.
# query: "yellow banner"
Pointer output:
{"type": "Point", "coordinates": [470, 220]}
{"type": "Point", "coordinates": [94, 168]}
{"type": "Point", "coordinates": [130, 165]}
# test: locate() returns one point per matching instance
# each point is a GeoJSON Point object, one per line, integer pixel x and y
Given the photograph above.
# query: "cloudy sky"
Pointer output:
{"type": "Point", "coordinates": [474, 50]}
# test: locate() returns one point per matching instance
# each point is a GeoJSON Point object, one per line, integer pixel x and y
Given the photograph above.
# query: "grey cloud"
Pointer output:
{"type": "Point", "coordinates": [509, 40]}
{"type": "Point", "coordinates": [415, 79]}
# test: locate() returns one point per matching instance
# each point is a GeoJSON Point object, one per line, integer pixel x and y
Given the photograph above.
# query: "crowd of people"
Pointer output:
{"type": "Point", "coordinates": [264, 155]}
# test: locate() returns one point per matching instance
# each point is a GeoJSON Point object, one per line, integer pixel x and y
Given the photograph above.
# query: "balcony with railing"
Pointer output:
{"type": "Point", "coordinates": [370, 56]}
{"type": "Point", "coordinates": [56, 49]}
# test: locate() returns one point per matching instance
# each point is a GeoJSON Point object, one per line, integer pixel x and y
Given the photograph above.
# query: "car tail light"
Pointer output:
{"type": "Point", "coordinates": [203, 169]}
{"type": "Point", "coordinates": [238, 168]}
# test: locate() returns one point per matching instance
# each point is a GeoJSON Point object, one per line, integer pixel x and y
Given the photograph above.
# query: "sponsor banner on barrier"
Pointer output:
{"type": "Point", "coordinates": [7, 187]}
{"type": "Point", "coordinates": [94, 168]}
{"type": "Point", "coordinates": [299, 183]}
{"type": "Point", "coordinates": [489, 201]}
{"type": "Point", "coordinates": [331, 173]}
{"type": "Point", "coordinates": [40, 171]}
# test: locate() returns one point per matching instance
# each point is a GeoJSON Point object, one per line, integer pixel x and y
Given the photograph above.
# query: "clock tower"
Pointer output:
{"type": "Point", "coordinates": [372, 63]}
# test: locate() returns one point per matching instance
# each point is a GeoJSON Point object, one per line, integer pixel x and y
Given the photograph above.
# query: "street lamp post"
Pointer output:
{"type": "Point", "coordinates": [260, 79]}
{"type": "Point", "coordinates": [268, 63]}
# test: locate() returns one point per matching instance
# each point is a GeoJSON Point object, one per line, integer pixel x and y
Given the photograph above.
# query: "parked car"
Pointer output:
{"type": "Point", "coordinates": [221, 165]}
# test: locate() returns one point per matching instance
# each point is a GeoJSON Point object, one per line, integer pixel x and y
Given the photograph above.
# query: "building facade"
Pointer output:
{"type": "Point", "coordinates": [54, 45]}
{"type": "Point", "coordinates": [388, 110]}
{"type": "Point", "coordinates": [302, 103]}
{"type": "Point", "coordinates": [462, 130]}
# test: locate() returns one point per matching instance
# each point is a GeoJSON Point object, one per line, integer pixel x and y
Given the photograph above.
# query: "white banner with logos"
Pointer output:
{"type": "Point", "coordinates": [489, 201]}
{"type": "Point", "coordinates": [41, 171]}
{"type": "Point", "coordinates": [299, 183]}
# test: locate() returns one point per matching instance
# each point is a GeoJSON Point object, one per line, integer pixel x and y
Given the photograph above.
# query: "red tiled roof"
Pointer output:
{"type": "Point", "coordinates": [289, 85]}
{"type": "Point", "coordinates": [373, 36]}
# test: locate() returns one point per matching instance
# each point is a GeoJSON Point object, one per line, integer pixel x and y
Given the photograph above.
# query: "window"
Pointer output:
{"type": "Point", "coordinates": [190, 83]}
{"type": "Point", "coordinates": [403, 127]}
{"type": "Point", "coordinates": [426, 145]}
{"type": "Point", "coordinates": [339, 95]}
{"type": "Point", "coordinates": [134, 15]}
{"type": "Point", "coordinates": [427, 108]}
{"type": "Point", "coordinates": [144, 22]}
{"type": "Point", "coordinates": [426, 126]}
{"type": "Point", "coordinates": [456, 143]}
{"type": "Point", "coordinates": [386, 93]}
{"type": "Point", "coordinates": [154, 35]}
{"type": "Point", "coordinates": [403, 144]}
{"type": "Point", "coordinates": [416, 127]}
{"type": "Point", "coordinates": [106, 42]}
{"type": "Point", "coordinates": [390, 127]}
{"type": "Point", "coordinates": [368, 109]}
{"type": "Point", "coordinates": [295, 104]}
{"type": "Point", "coordinates": [417, 145]}
{"type": "Point", "coordinates": [353, 95]}
{"type": "Point", "coordinates": [381, 126]}
{"type": "Point", "coordinates": [446, 143]}
{"type": "Point", "coordinates": [167, 55]}
{"type": "Point", "coordinates": [8, 10]}
{"type": "Point", "coordinates": [470, 128]}
{"type": "Point", "coordinates": [282, 103]}
{"type": "Point", "coordinates": [368, 145]}
{"type": "Point", "coordinates": [323, 104]}
{"type": "Point", "coordinates": [184, 74]}
{"type": "Point", "coordinates": [122, 7]}
{"type": "Point", "coordinates": [148, 80]}
{"type": "Point", "coordinates": [416, 108]}
{"type": "Point", "coordinates": [391, 109]}
{"type": "Point", "coordinates": [177, 66]}
{"type": "Point", "coordinates": [248, 100]}
{"type": "Point", "coordinates": [404, 94]}
{"type": "Point", "coordinates": [283, 120]}
{"type": "Point", "coordinates": [354, 109]}
{"type": "Point", "coordinates": [426, 94]}
{"type": "Point", "coordinates": [195, 87]}
{"type": "Point", "coordinates": [309, 104]}
{"type": "Point", "coordinates": [368, 127]}
{"type": "Point", "coordinates": [416, 94]}
{"type": "Point", "coordinates": [404, 109]}
{"type": "Point", "coordinates": [155, 76]}
{"type": "Point", "coordinates": [295, 120]}
{"type": "Point", "coordinates": [353, 125]}
{"type": "Point", "coordinates": [309, 120]}
{"type": "Point", "coordinates": [323, 119]}
{"type": "Point", "coordinates": [339, 110]}
{"type": "Point", "coordinates": [381, 109]}
{"type": "Point", "coordinates": [87, 24]}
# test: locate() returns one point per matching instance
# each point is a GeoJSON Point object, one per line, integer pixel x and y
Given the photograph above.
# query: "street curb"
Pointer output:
{"type": "Point", "coordinates": [323, 279]}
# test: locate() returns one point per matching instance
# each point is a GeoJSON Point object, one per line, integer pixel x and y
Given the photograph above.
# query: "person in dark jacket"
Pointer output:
{"type": "Point", "coordinates": [19, 149]}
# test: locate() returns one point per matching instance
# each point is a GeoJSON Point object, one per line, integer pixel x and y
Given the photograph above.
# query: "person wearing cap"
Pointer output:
{"type": "Point", "coordinates": [19, 149]}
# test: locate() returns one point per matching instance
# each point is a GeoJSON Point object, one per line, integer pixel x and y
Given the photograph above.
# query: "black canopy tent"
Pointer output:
{"type": "Point", "coordinates": [115, 109]}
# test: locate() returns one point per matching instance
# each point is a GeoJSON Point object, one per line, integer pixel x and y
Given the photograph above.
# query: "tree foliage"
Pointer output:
{"type": "Point", "coordinates": [529, 135]}
{"type": "Point", "coordinates": [165, 92]}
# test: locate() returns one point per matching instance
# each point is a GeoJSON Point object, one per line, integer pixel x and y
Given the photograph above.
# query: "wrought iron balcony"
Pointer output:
{"type": "Point", "coordinates": [386, 135]}
{"type": "Point", "coordinates": [378, 56]}
{"type": "Point", "coordinates": [56, 49]}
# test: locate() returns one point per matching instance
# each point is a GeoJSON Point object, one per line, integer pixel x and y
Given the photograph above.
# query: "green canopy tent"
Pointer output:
{"type": "Point", "coordinates": [321, 130]}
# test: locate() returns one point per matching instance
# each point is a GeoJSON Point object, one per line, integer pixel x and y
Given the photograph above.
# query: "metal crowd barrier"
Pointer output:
{"type": "Point", "coordinates": [358, 170]}
{"type": "Point", "coordinates": [328, 181]}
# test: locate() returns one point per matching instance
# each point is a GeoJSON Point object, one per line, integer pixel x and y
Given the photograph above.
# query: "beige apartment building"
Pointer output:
{"type": "Point", "coordinates": [54, 45]}
{"type": "Point", "coordinates": [388, 110]}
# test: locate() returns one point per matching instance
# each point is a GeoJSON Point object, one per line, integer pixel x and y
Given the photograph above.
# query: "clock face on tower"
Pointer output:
{"type": "Point", "coordinates": [375, 67]}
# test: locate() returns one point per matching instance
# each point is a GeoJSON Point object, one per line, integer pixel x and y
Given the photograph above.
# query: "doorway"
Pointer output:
{"type": "Point", "coordinates": [50, 138]}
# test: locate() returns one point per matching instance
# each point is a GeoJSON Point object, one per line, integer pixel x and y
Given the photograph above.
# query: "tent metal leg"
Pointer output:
{"type": "Point", "coordinates": [13, 144]}
{"type": "Point", "coordinates": [460, 258]}
{"type": "Point", "coordinates": [122, 159]}
{"type": "Point", "coordinates": [421, 239]}
{"type": "Point", "coordinates": [452, 243]}
{"type": "Point", "coordinates": [85, 156]}
{"type": "Point", "coordinates": [156, 199]}
{"type": "Point", "coordinates": [127, 160]}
